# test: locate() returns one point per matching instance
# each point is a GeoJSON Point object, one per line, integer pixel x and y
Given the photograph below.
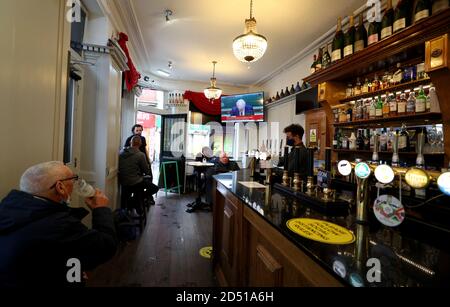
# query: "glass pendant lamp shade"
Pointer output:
{"type": "Point", "coordinates": [251, 46]}
{"type": "Point", "coordinates": [213, 92]}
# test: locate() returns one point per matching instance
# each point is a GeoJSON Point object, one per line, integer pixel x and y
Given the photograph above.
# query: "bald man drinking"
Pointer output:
{"type": "Point", "coordinates": [43, 241]}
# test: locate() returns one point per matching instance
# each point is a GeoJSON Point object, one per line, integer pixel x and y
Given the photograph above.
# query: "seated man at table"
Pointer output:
{"type": "Point", "coordinates": [133, 167]}
{"type": "Point", "coordinates": [223, 165]}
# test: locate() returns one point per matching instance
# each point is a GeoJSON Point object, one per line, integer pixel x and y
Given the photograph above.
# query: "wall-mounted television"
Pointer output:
{"type": "Point", "coordinates": [243, 108]}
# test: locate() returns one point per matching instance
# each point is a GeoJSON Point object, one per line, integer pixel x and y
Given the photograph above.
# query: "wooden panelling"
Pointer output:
{"type": "Point", "coordinates": [269, 273]}
{"type": "Point", "coordinates": [317, 120]}
{"type": "Point", "coordinates": [436, 53]}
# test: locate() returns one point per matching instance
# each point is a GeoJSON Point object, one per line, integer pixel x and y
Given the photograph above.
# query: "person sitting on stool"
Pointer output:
{"type": "Point", "coordinates": [223, 165]}
{"type": "Point", "coordinates": [133, 167]}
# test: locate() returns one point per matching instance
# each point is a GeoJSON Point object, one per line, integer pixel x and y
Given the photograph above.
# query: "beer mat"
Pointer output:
{"type": "Point", "coordinates": [252, 185]}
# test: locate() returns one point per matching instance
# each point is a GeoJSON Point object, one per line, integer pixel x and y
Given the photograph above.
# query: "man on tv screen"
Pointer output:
{"type": "Point", "coordinates": [242, 109]}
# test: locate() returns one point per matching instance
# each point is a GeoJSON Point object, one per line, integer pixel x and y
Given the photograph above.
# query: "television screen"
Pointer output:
{"type": "Point", "coordinates": [243, 108]}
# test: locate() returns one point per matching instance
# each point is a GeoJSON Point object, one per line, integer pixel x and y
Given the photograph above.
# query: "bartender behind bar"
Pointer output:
{"type": "Point", "coordinates": [297, 158]}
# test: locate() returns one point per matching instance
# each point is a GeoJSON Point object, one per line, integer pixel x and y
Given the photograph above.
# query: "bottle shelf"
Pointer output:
{"type": "Point", "coordinates": [411, 37]}
{"type": "Point", "coordinates": [351, 151]}
{"type": "Point", "coordinates": [423, 118]}
{"type": "Point", "coordinates": [392, 89]}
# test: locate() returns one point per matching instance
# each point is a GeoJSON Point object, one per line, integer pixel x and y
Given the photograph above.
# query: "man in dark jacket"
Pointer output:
{"type": "Point", "coordinates": [137, 130]}
{"type": "Point", "coordinates": [42, 241]}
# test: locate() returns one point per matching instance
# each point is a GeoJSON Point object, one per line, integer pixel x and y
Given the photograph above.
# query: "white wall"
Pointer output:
{"type": "Point", "coordinates": [33, 75]}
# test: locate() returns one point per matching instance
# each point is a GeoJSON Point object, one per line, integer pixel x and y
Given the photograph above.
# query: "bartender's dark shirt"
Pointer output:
{"type": "Point", "coordinates": [303, 162]}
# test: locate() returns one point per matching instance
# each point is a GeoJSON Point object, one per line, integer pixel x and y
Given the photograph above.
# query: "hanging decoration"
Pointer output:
{"type": "Point", "coordinates": [132, 76]}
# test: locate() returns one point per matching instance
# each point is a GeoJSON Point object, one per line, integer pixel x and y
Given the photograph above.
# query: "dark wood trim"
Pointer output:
{"type": "Point", "coordinates": [415, 35]}
{"type": "Point", "coordinates": [423, 117]}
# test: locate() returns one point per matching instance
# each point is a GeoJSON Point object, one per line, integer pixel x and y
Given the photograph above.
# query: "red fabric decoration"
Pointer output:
{"type": "Point", "coordinates": [132, 76]}
{"type": "Point", "coordinates": [202, 103]}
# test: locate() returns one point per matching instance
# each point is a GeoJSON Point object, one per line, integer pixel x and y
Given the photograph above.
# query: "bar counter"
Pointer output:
{"type": "Point", "coordinates": [254, 247]}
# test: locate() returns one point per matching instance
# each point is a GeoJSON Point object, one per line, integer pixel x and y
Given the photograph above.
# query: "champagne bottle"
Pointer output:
{"type": "Point", "coordinates": [338, 43]}
{"type": "Point", "coordinates": [360, 35]}
{"type": "Point", "coordinates": [402, 15]}
{"type": "Point", "coordinates": [349, 38]}
{"type": "Point", "coordinates": [313, 65]}
{"type": "Point", "coordinates": [388, 19]}
{"type": "Point", "coordinates": [422, 10]}
{"type": "Point", "coordinates": [373, 34]}
{"type": "Point", "coordinates": [326, 58]}
{"type": "Point", "coordinates": [319, 60]}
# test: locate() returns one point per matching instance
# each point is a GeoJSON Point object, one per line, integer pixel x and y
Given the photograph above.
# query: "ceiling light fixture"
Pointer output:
{"type": "Point", "coordinates": [213, 92]}
{"type": "Point", "coordinates": [163, 73]}
{"type": "Point", "coordinates": [168, 14]}
{"type": "Point", "coordinates": [251, 46]}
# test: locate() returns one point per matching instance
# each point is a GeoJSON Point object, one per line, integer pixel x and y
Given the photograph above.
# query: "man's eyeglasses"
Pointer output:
{"type": "Point", "coordinates": [75, 178]}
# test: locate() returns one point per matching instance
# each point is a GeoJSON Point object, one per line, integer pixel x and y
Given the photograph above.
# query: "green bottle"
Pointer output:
{"type": "Point", "coordinates": [379, 107]}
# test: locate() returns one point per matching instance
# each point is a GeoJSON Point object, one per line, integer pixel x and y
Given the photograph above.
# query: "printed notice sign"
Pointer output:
{"type": "Point", "coordinates": [321, 231]}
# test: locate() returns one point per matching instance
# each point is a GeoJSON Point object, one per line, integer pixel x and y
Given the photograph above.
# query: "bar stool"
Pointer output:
{"type": "Point", "coordinates": [163, 171]}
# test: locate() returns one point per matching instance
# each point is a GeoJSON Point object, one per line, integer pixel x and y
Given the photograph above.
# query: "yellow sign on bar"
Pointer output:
{"type": "Point", "coordinates": [321, 231]}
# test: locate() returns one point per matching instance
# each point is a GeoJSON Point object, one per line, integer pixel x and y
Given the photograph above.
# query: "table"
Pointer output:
{"type": "Point", "coordinates": [200, 168]}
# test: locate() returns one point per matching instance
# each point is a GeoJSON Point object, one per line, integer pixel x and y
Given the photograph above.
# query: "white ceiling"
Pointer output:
{"type": "Point", "coordinates": [203, 30]}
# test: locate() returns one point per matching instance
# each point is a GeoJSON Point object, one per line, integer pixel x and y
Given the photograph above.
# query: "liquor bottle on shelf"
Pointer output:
{"type": "Point", "coordinates": [393, 105]}
{"type": "Point", "coordinates": [349, 114]}
{"type": "Point", "coordinates": [379, 108]}
{"type": "Point", "coordinates": [434, 101]}
{"type": "Point", "coordinates": [278, 97]}
{"type": "Point", "coordinates": [313, 65]}
{"type": "Point", "coordinates": [383, 140]}
{"type": "Point", "coordinates": [421, 101]}
{"type": "Point", "coordinates": [372, 109]}
{"type": "Point", "coordinates": [344, 141]}
{"type": "Point", "coordinates": [352, 141]}
{"type": "Point", "coordinates": [319, 60]}
{"type": "Point", "coordinates": [402, 15]}
{"type": "Point", "coordinates": [287, 92]}
{"type": "Point", "coordinates": [282, 95]}
{"type": "Point", "coordinates": [367, 140]}
{"type": "Point", "coordinates": [403, 140]}
{"type": "Point", "coordinates": [360, 110]}
{"type": "Point", "coordinates": [390, 139]}
{"type": "Point", "coordinates": [373, 35]}
{"type": "Point", "coordinates": [349, 90]}
{"type": "Point", "coordinates": [365, 87]}
{"type": "Point", "coordinates": [386, 106]}
{"type": "Point", "coordinates": [375, 84]}
{"type": "Point", "coordinates": [360, 140]}
{"type": "Point", "coordinates": [422, 10]}
{"type": "Point", "coordinates": [349, 39]}
{"type": "Point", "coordinates": [411, 104]}
{"type": "Point", "coordinates": [372, 139]}
{"type": "Point", "coordinates": [357, 89]}
{"type": "Point", "coordinates": [326, 58]}
{"type": "Point", "coordinates": [336, 139]}
{"type": "Point", "coordinates": [439, 5]}
{"type": "Point", "coordinates": [360, 35]}
{"type": "Point", "coordinates": [398, 75]}
{"type": "Point", "coordinates": [401, 105]}
{"type": "Point", "coordinates": [387, 21]}
{"type": "Point", "coordinates": [338, 43]}
{"type": "Point", "coordinates": [366, 109]}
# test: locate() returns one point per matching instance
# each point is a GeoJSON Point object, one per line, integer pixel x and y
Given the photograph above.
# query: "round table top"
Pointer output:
{"type": "Point", "coordinates": [200, 164]}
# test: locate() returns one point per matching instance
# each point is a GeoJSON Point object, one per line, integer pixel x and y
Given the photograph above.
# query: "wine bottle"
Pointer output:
{"type": "Point", "coordinates": [336, 139]}
{"type": "Point", "coordinates": [319, 60]}
{"type": "Point", "coordinates": [313, 65]}
{"type": "Point", "coordinates": [338, 43]}
{"type": "Point", "coordinates": [402, 15]}
{"type": "Point", "coordinates": [373, 33]}
{"type": "Point", "coordinates": [326, 58]}
{"type": "Point", "coordinates": [360, 35]}
{"type": "Point", "coordinates": [360, 140]}
{"type": "Point", "coordinates": [349, 39]}
{"type": "Point", "coordinates": [422, 10]}
{"type": "Point", "coordinates": [388, 19]}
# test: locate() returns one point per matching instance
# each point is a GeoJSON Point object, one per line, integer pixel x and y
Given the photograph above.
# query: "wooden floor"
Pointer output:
{"type": "Point", "coordinates": [167, 253]}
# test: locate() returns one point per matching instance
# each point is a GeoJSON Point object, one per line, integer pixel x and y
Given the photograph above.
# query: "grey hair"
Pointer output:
{"type": "Point", "coordinates": [39, 178]}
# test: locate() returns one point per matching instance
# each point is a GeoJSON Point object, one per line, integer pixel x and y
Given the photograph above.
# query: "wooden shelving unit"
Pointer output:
{"type": "Point", "coordinates": [411, 37]}
{"type": "Point", "coordinates": [428, 118]}
{"type": "Point", "coordinates": [392, 89]}
{"type": "Point", "coordinates": [351, 151]}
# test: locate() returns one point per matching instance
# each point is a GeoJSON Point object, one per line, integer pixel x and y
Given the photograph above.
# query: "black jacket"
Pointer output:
{"type": "Point", "coordinates": [39, 236]}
